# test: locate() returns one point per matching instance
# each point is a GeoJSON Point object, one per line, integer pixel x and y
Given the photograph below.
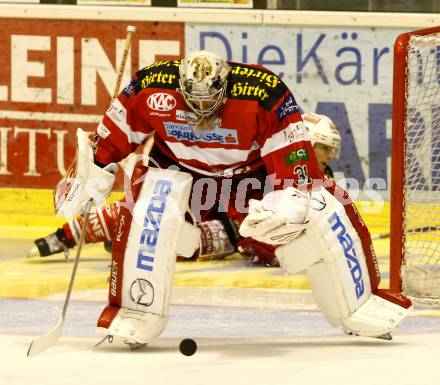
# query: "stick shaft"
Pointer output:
{"type": "Point", "coordinates": [87, 210]}
{"type": "Point", "coordinates": [128, 39]}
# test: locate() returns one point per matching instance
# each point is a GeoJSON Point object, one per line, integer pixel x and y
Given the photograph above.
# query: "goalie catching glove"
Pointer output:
{"type": "Point", "coordinates": [278, 218]}
{"type": "Point", "coordinates": [83, 181]}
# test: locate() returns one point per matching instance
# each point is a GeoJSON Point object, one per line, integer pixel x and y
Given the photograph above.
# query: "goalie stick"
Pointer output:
{"type": "Point", "coordinates": [46, 341]}
{"type": "Point", "coordinates": [49, 339]}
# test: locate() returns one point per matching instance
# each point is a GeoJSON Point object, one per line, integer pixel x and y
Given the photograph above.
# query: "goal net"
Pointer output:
{"type": "Point", "coordinates": [415, 190]}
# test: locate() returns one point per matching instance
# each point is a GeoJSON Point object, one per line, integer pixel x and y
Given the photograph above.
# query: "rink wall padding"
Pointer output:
{"type": "Point", "coordinates": [30, 208]}
{"type": "Point", "coordinates": [34, 208]}
{"type": "Point", "coordinates": [26, 214]}
{"type": "Point", "coordinates": [59, 64]}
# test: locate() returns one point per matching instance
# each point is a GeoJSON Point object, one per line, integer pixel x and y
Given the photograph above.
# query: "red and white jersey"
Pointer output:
{"type": "Point", "coordinates": [259, 124]}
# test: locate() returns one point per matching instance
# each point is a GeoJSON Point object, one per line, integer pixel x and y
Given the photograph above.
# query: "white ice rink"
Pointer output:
{"type": "Point", "coordinates": [245, 336]}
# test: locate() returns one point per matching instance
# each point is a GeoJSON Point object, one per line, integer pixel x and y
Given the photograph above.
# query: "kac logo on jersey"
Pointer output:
{"type": "Point", "coordinates": [350, 253]}
{"type": "Point", "coordinates": [161, 101]}
{"type": "Point", "coordinates": [150, 233]}
{"type": "Point", "coordinates": [181, 131]}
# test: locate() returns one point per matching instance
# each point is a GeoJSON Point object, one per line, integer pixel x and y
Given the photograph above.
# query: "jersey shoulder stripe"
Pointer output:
{"type": "Point", "coordinates": [253, 82]}
{"type": "Point", "coordinates": [161, 74]}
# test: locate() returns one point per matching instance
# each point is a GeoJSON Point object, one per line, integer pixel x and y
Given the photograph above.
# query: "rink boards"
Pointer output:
{"type": "Point", "coordinates": [27, 214]}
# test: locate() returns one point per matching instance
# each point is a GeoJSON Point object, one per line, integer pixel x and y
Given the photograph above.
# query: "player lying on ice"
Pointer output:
{"type": "Point", "coordinates": [219, 235]}
{"type": "Point", "coordinates": [228, 137]}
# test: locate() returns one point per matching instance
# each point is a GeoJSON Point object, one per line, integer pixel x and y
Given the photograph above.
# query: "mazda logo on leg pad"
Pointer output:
{"type": "Point", "coordinates": [142, 292]}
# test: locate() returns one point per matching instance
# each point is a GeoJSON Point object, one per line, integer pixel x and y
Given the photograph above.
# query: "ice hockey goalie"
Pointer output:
{"type": "Point", "coordinates": [228, 136]}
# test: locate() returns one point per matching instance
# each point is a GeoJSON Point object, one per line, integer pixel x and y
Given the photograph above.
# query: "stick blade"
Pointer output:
{"type": "Point", "coordinates": [47, 340]}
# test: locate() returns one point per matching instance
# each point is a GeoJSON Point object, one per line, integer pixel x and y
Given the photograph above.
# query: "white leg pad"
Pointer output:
{"type": "Point", "coordinates": [298, 254]}
{"type": "Point", "coordinates": [158, 232]}
{"type": "Point", "coordinates": [189, 240]}
{"type": "Point", "coordinates": [375, 317]}
{"type": "Point", "coordinates": [310, 251]}
{"type": "Point", "coordinates": [332, 253]}
{"type": "Point", "coordinates": [328, 292]}
{"type": "Point", "coordinates": [131, 326]}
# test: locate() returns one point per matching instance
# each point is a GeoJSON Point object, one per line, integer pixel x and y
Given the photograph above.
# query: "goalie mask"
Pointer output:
{"type": "Point", "coordinates": [203, 82]}
{"type": "Point", "coordinates": [322, 130]}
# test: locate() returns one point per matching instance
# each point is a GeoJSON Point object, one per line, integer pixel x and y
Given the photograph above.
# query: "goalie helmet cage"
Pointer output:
{"type": "Point", "coordinates": [415, 180]}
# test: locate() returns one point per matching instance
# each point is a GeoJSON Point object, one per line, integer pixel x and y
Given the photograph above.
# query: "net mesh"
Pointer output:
{"type": "Point", "coordinates": [421, 267]}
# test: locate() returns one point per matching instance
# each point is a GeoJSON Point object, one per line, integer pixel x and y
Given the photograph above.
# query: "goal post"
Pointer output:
{"type": "Point", "coordinates": [415, 162]}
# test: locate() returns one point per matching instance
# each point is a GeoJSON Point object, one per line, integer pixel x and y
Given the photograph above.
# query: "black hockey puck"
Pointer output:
{"type": "Point", "coordinates": [188, 347]}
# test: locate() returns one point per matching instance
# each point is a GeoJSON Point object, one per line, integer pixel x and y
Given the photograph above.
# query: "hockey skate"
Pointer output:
{"type": "Point", "coordinates": [52, 244]}
{"type": "Point", "coordinates": [56, 243]}
{"type": "Point", "coordinates": [132, 346]}
{"type": "Point", "coordinates": [385, 336]}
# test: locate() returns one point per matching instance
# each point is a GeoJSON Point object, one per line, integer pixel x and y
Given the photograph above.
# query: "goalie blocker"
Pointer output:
{"type": "Point", "coordinates": [337, 252]}
{"type": "Point", "coordinates": [148, 239]}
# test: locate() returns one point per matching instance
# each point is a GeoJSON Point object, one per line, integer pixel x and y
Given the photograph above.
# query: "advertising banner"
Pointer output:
{"type": "Point", "coordinates": [115, 2]}
{"type": "Point", "coordinates": [345, 73]}
{"type": "Point", "coordinates": [58, 75]}
{"type": "Point", "coordinates": [216, 3]}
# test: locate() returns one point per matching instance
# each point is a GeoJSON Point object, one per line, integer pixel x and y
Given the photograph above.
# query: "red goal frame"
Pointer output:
{"type": "Point", "coordinates": [397, 203]}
